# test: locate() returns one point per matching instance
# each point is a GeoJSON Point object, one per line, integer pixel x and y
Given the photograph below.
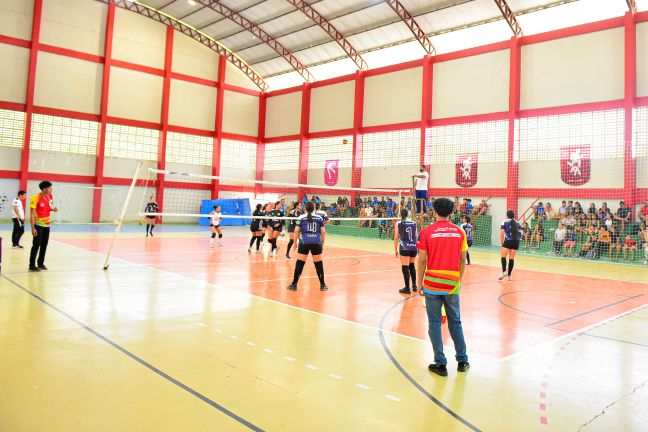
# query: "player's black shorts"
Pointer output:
{"type": "Point", "coordinates": [277, 228]}
{"type": "Point", "coordinates": [264, 224]}
{"type": "Point", "coordinates": [150, 217]}
{"type": "Point", "coordinates": [314, 249]}
{"type": "Point", "coordinates": [470, 242]}
{"type": "Point", "coordinates": [511, 244]}
{"type": "Point", "coordinates": [408, 253]}
{"type": "Point", "coordinates": [214, 226]}
{"type": "Point", "coordinates": [291, 228]}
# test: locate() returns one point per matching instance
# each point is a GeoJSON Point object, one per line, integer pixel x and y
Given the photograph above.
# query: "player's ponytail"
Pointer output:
{"type": "Point", "coordinates": [514, 226]}
{"type": "Point", "coordinates": [404, 214]}
{"type": "Point", "coordinates": [310, 208]}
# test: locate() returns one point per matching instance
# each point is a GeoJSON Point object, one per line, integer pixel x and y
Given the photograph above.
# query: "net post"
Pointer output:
{"type": "Point", "coordinates": [120, 221]}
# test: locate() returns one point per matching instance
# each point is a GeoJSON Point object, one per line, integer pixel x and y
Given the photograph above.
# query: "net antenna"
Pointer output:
{"type": "Point", "coordinates": [122, 214]}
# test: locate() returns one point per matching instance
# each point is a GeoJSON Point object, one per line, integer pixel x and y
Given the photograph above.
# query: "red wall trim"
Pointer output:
{"type": "Point", "coordinates": [394, 68]}
{"type": "Point", "coordinates": [218, 126]}
{"type": "Point", "coordinates": [192, 79]}
{"type": "Point", "coordinates": [244, 90]}
{"type": "Point", "coordinates": [15, 41]}
{"type": "Point", "coordinates": [572, 193]}
{"type": "Point", "coordinates": [329, 134]}
{"type": "Point", "coordinates": [284, 91]}
{"type": "Point", "coordinates": [513, 165]}
{"type": "Point", "coordinates": [238, 137]}
{"type": "Point", "coordinates": [302, 176]}
{"type": "Point", "coordinates": [134, 123]}
{"type": "Point", "coordinates": [270, 140]}
{"type": "Point", "coordinates": [29, 98]}
{"type": "Point", "coordinates": [475, 118]}
{"type": "Point", "coordinates": [190, 131]}
{"type": "Point", "coordinates": [117, 181]}
{"type": "Point", "coordinates": [65, 113]}
{"type": "Point", "coordinates": [642, 195]}
{"type": "Point", "coordinates": [573, 31]}
{"type": "Point", "coordinates": [639, 101]}
{"type": "Point", "coordinates": [468, 192]}
{"type": "Point", "coordinates": [136, 67]}
{"type": "Point", "coordinates": [641, 16]}
{"type": "Point", "coordinates": [260, 153]}
{"type": "Point", "coordinates": [12, 106]}
{"type": "Point", "coordinates": [571, 109]}
{"type": "Point", "coordinates": [334, 80]}
{"type": "Point", "coordinates": [469, 52]}
{"type": "Point", "coordinates": [67, 178]}
{"type": "Point", "coordinates": [391, 127]}
{"type": "Point", "coordinates": [71, 53]}
{"type": "Point", "coordinates": [358, 113]}
{"type": "Point", "coordinates": [630, 91]}
{"type": "Point", "coordinates": [426, 106]}
{"type": "Point", "coordinates": [9, 174]}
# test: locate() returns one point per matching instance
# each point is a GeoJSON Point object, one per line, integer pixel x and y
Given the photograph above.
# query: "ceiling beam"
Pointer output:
{"type": "Point", "coordinates": [325, 25]}
{"type": "Point", "coordinates": [509, 17]}
{"type": "Point", "coordinates": [411, 23]}
{"type": "Point", "coordinates": [193, 33]}
{"type": "Point", "coordinates": [258, 32]}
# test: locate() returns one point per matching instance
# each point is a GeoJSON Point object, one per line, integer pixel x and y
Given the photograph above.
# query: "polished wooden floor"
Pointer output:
{"type": "Point", "coordinates": [178, 336]}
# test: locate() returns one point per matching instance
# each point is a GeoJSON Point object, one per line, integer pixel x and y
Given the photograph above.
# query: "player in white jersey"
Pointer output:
{"type": "Point", "coordinates": [214, 225]}
{"type": "Point", "coordinates": [321, 213]}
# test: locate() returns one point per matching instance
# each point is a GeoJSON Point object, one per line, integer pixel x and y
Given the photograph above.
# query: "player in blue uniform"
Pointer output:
{"type": "Point", "coordinates": [405, 247]}
{"type": "Point", "coordinates": [469, 229]}
{"type": "Point", "coordinates": [277, 226]}
{"type": "Point", "coordinates": [510, 240]}
{"type": "Point", "coordinates": [295, 212]}
{"type": "Point", "coordinates": [311, 232]}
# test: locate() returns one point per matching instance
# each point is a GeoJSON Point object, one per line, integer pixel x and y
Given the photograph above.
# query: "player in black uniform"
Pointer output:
{"type": "Point", "coordinates": [311, 232]}
{"type": "Point", "coordinates": [256, 229]}
{"type": "Point", "coordinates": [151, 207]}
{"type": "Point", "coordinates": [295, 212]}
{"type": "Point", "coordinates": [277, 226]}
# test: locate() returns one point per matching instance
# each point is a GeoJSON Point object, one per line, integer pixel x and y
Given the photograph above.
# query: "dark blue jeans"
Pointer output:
{"type": "Point", "coordinates": [421, 198]}
{"type": "Point", "coordinates": [433, 304]}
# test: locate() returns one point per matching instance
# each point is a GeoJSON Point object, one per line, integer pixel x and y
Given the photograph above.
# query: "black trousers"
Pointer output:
{"type": "Point", "coordinates": [39, 246]}
{"type": "Point", "coordinates": [18, 231]}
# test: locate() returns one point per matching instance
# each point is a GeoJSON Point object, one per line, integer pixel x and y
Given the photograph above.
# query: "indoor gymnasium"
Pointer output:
{"type": "Point", "coordinates": [323, 215]}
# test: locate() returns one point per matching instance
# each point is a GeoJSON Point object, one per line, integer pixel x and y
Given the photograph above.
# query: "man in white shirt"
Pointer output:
{"type": "Point", "coordinates": [421, 187]}
{"type": "Point", "coordinates": [18, 217]}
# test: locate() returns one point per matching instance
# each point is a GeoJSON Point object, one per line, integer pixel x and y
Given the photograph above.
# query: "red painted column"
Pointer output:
{"type": "Point", "coordinates": [218, 126]}
{"type": "Point", "coordinates": [513, 173]}
{"type": "Point", "coordinates": [164, 116]}
{"type": "Point", "coordinates": [358, 112]}
{"type": "Point", "coordinates": [103, 113]}
{"type": "Point", "coordinates": [29, 99]}
{"type": "Point", "coordinates": [260, 151]}
{"type": "Point", "coordinates": [630, 91]}
{"type": "Point", "coordinates": [426, 107]}
{"type": "Point", "coordinates": [302, 177]}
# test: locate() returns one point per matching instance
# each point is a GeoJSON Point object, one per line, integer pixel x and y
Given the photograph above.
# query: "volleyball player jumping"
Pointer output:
{"type": "Point", "coordinates": [277, 226]}
{"type": "Point", "coordinates": [311, 233]}
{"type": "Point", "coordinates": [214, 225]}
{"type": "Point", "coordinates": [405, 247]}
{"type": "Point", "coordinates": [296, 211]}
{"type": "Point", "coordinates": [256, 229]}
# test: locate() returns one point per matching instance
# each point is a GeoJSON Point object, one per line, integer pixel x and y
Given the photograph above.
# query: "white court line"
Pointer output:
{"type": "Point", "coordinates": [363, 387]}
{"type": "Point", "coordinates": [268, 350]}
{"type": "Point", "coordinates": [567, 335]}
{"type": "Point", "coordinates": [218, 331]}
{"type": "Point", "coordinates": [250, 343]}
{"type": "Point", "coordinates": [233, 337]}
{"type": "Point", "coordinates": [394, 398]}
{"type": "Point", "coordinates": [311, 367]}
{"type": "Point", "coordinates": [201, 284]}
{"type": "Point", "coordinates": [290, 359]}
{"type": "Point", "coordinates": [336, 376]}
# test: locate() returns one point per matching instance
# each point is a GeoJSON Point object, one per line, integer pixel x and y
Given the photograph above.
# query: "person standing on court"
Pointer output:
{"type": "Point", "coordinates": [18, 218]}
{"type": "Point", "coordinates": [442, 261]}
{"type": "Point", "coordinates": [421, 186]}
{"type": "Point", "coordinates": [40, 206]}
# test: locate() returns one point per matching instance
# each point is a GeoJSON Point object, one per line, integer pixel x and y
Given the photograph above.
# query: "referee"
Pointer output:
{"type": "Point", "coordinates": [421, 186]}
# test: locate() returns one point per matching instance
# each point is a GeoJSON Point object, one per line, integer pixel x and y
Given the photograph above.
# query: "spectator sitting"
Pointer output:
{"type": "Point", "coordinates": [568, 221]}
{"type": "Point", "coordinates": [526, 233]}
{"type": "Point", "coordinates": [578, 210]}
{"type": "Point", "coordinates": [570, 243]}
{"type": "Point", "coordinates": [603, 211]}
{"type": "Point", "coordinates": [581, 226]}
{"type": "Point", "coordinates": [604, 241]}
{"type": "Point", "coordinates": [643, 213]}
{"type": "Point", "coordinates": [608, 221]}
{"type": "Point", "coordinates": [643, 241]}
{"type": "Point", "coordinates": [615, 243]}
{"type": "Point", "coordinates": [540, 211]}
{"type": "Point", "coordinates": [559, 238]}
{"type": "Point", "coordinates": [551, 213]}
{"type": "Point", "coordinates": [563, 209]}
{"type": "Point", "coordinates": [591, 210]}
{"type": "Point", "coordinates": [463, 209]}
{"type": "Point", "coordinates": [570, 206]}
{"type": "Point", "coordinates": [469, 206]}
{"type": "Point", "coordinates": [623, 215]}
{"type": "Point", "coordinates": [591, 240]}
{"type": "Point", "coordinates": [629, 244]}
{"type": "Point", "coordinates": [538, 234]}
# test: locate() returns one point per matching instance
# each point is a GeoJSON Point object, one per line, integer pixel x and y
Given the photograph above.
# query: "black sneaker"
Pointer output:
{"type": "Point", "coordinates": [292, 287]}
{"type": "Point", "coordinates": [463, 366]}
{"type": "Point", "coordinates": [415, 288]}
{"type": "Point", "coordinates": [20, 247]}
{"type": "Point", "coordinates": [34, 269]}
{"type": "Point", "coordinates": [323, 287]}
{"type": "Point", "coordinates": [440, 370]}
{"type": "Point", "coordinates": [405, 291]}
{"type": "Point", "coordinates": [42, 267]}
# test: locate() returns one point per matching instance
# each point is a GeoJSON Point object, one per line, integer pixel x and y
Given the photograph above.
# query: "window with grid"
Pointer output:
{"type": "Point", "coordinates": [189, 149]}
{"type": "Point", "coordinates": [640, 128]}
{"type": "Point", "coordinates": [238, 154]}
{"type": "Point", "coordinates": [391, 148]}
{"type": "Point", "coordinates": [540, 138]}
{"type": "Point", "coordinates": [132, 142]}
{"type": "Point", "coordinates": [58, 134]}
{"type": "Point", "coordinates": [12, 128]}
{"type": "Point", "coordinates": [281, 156]}
{"type": "Point", "coordinates": [488, 139]}
{"type": "Point", "coordinates": [322, 149]}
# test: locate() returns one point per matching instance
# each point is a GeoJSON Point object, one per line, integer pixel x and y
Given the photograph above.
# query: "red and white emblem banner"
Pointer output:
{"type": "Point", "coordinates": [575, 164]}
{"type": "Point", "coordinates": [331, 172]}
{"type": "Point", "coordinates": [466, 169]}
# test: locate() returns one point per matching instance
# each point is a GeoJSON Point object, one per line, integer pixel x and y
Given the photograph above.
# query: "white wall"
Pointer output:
{"type": "Point", "coordinates": [283, 114]}
{"type": "Point", "coordinates": [183, 201]}
{"type": "Point", "coordinates": [241, 114]}
{"type": "Point", "coordinates": [138, 39]}
{"type": "Point", "coordinates": [332, 107]}
{"type": "Point", "coordinates": [13, 80]}
{"type": "Point", "coordinates": [10, 158]}
{"type": "Point", "coordinates": [111, 206]}
{"type": "Point", "coordinates": [135, 95]}
{"type": "Point", "coordinates": [192, 105]}
{"type": "Point", "coordinates": [193, 58]}
{"type": "Point", "coordinates": [78, 25]}
{"type": "Point", "coordinates": [393, 97]}
{"type": "Point", "coordinates": [61, 163]}
{"type": "Point", "coordinates": [16, 18]}
{"type": "Point", "coordinates": [642, 59]}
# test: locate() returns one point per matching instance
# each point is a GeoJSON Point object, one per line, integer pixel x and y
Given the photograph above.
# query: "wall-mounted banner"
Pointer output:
{"type": "Point", "coordinates": [575, 164]}
{"type": "Point", "coordinates": [331, 172]}
{"type": "Point", "coordinates": [466, 169]}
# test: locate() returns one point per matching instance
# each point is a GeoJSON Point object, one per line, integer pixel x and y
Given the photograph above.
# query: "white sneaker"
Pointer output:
{"type": "Point", "coordinates": [509, 278]}
{"type": "Point", "coordinates": [258, 252]}
{"type": "Point", "coordinates": [249, 250]}
{"type": "Point", "coordinates": [501, 276]}
{"type": "Point", "coordinates": [645, 262]}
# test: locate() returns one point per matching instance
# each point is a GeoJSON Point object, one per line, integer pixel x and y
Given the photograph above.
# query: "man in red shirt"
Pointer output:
{"type": "Point", "coordinates": [442, 261]}
{"type": "Point", "coordinates": [40, 206]}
